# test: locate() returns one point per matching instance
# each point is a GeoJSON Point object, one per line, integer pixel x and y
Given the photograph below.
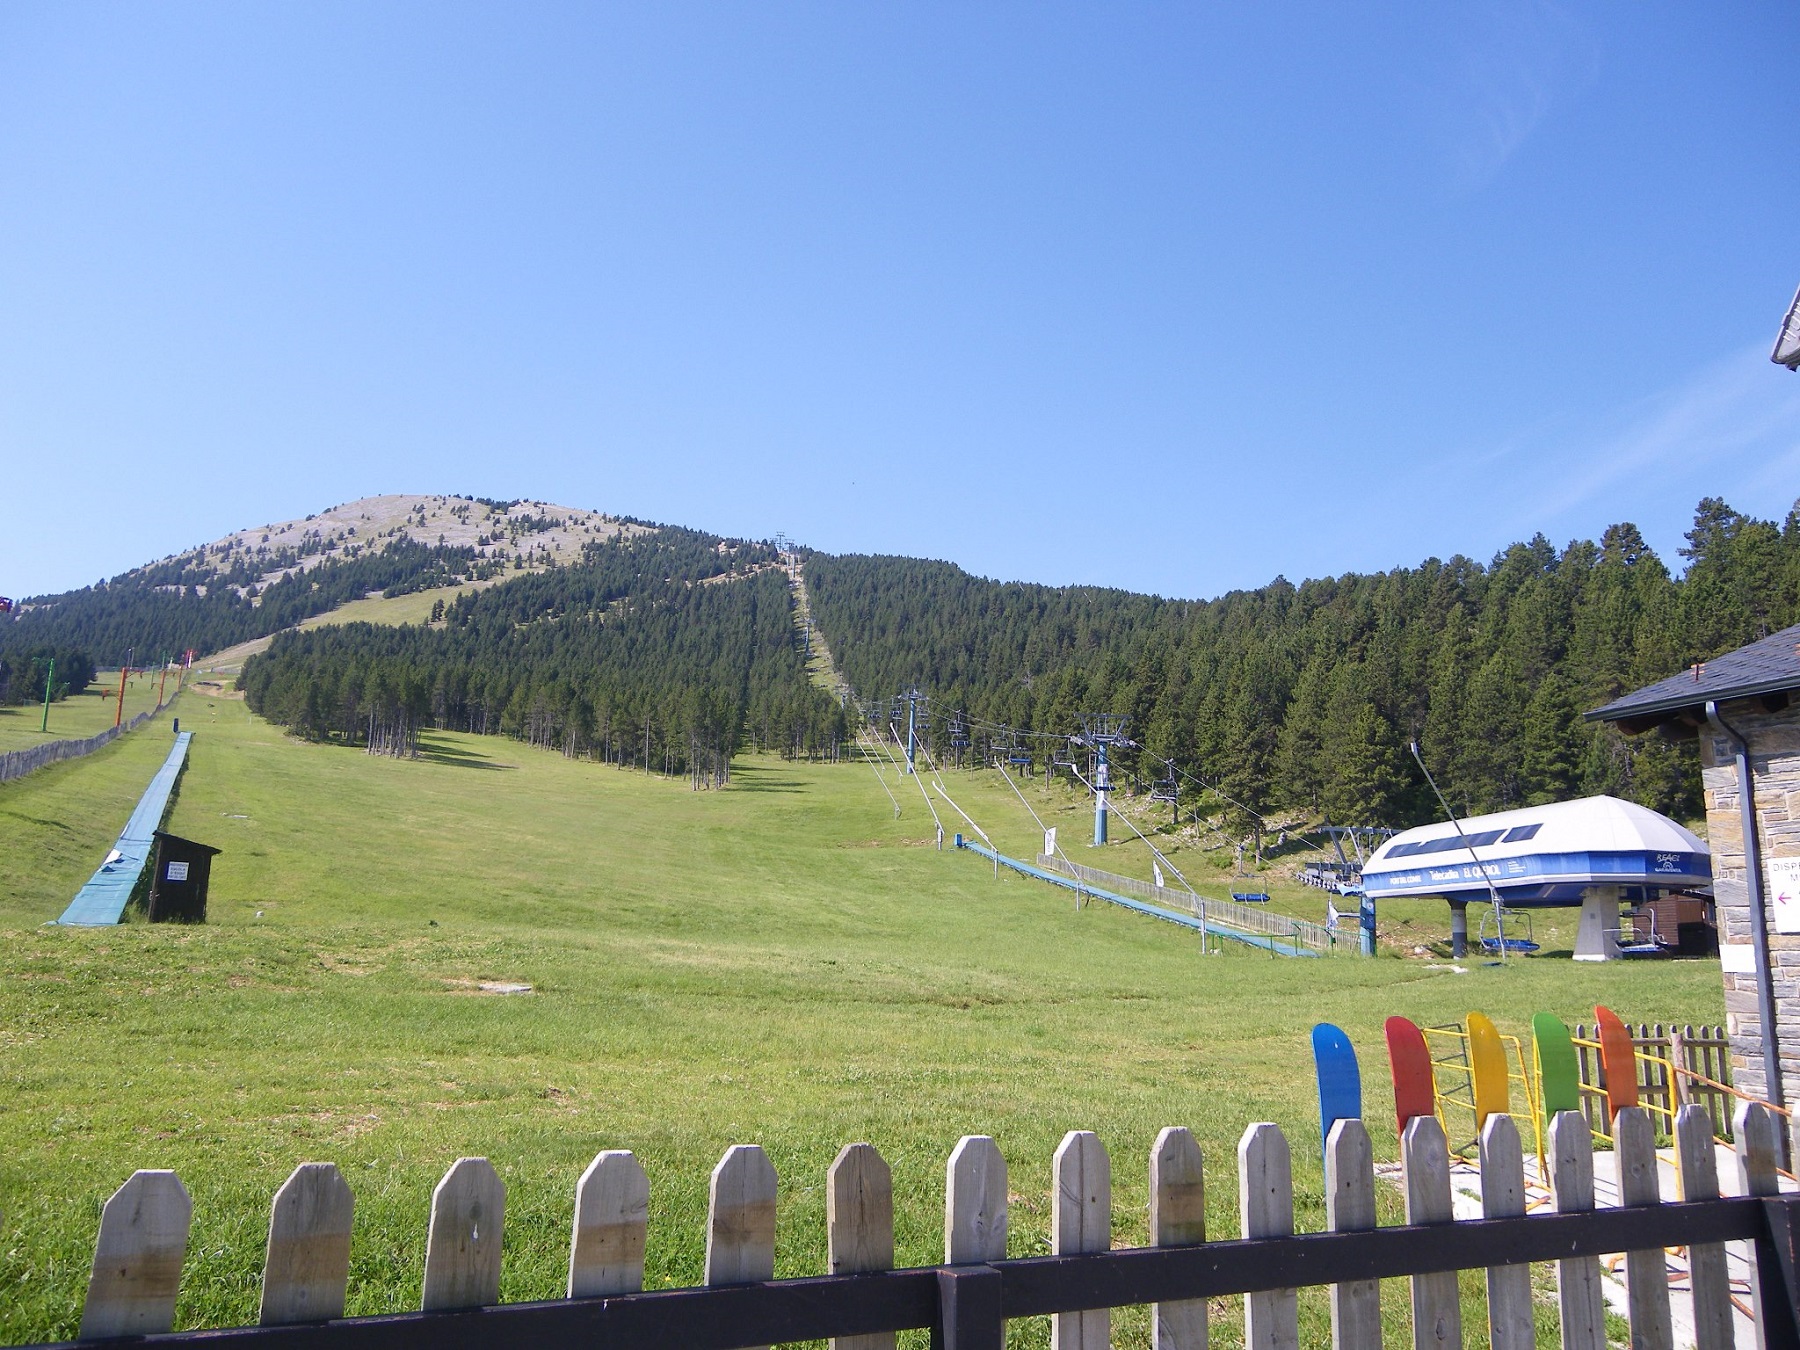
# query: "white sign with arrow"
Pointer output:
{"type": "Point", "coordinates": [1784, 893]}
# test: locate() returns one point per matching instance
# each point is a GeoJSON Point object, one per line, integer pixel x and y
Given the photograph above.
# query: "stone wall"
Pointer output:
{"type": "Point", "coordinates": [1774, 742]}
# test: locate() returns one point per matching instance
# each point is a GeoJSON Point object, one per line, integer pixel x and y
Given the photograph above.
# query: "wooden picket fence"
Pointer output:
{"type": "Point", "coordinates": [966, 1302]}
{"type": "Point", "coordinates": [1675, 1066]}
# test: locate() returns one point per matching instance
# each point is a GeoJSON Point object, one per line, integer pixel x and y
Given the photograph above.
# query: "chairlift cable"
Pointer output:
{"type": "Point", "coordinates": [863, 741]}
{"type": "Point", "coordinates": [1493, 891]}
{"type": "Point", "coordinates": [1116, 810]}
{"type": "Point", "coordinates": [922, 792]}
{"type": "Point", "coordinates": [1074, 871]}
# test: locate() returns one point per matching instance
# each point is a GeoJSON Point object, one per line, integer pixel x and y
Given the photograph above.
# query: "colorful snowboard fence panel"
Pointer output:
{"type": "Point", "coordinates": [1487, 1070]}
{"type": "Point", "coordinates": [1409, 1065]}
{"type": "Point", "coordinates": [1339, 1078]}
{"type": "Point", "coordinates": [1559, 1076]}
{"type": "Point", "coordinates": [1618, 1061]}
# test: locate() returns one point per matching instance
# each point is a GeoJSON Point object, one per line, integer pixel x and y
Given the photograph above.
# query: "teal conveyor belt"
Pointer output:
{"type": "Point", "coordinates": [1154, 911]}
{"type": "Point", "coordinates": [102, 901]}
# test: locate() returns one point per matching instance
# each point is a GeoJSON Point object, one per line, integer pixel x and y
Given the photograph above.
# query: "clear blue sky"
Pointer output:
{"type": "Point", "coordinates": [1172, 297]}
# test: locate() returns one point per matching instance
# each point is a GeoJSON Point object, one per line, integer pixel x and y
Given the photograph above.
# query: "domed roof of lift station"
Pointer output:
{"type": "Point", "coordinates": [1544, 855]}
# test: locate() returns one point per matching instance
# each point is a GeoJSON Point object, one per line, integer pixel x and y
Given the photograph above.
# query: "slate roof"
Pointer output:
{"type": "Point", "coordinates": [1769, 666]}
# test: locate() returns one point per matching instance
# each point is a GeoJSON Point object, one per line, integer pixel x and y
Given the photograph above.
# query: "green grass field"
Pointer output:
{"type": "Point", "coordinates": [81, 715]}
{"type": "Point", "coordinates": [781, 962]}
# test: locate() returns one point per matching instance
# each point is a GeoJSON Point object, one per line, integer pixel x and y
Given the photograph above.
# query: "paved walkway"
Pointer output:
{"type": "Point", "coordinates": [103, 899]}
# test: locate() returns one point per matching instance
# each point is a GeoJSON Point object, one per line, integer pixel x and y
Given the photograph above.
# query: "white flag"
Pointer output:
{"type": "Point", "coordinates": [1050, 842]}
{"type": "Point", "coordinates": [1156, 868]}
{"type": "Point", "coordinates": [1331, 915]}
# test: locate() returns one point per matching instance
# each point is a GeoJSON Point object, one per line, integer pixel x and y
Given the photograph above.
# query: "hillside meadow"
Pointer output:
{"type": "Point", "coordinates": [782, 961]}
{"type": "Point", "coordinates": [85, 714]}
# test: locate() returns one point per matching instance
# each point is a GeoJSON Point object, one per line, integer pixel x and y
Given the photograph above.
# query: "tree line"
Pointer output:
{"type": "Point", "coordinates": [211, 601]}
{"type": "Point", "coordinates": [30, 674]}
{"type": "Point", "coordinates": [672, 650]}
{"type": "Point", "coordinates": [1304, 698]}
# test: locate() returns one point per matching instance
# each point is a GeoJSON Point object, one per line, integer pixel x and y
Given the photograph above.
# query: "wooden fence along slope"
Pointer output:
{"type": "Point", "coordinates": [18, 763]}
{"type": "Point", "coordinates": [965, 1303]}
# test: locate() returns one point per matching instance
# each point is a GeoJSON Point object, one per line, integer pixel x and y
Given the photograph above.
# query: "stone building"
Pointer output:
{"type": "Point", "coordinates": [1744, 708]}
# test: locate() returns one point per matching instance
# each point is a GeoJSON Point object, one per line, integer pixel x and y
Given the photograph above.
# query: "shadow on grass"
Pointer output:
{"type": "Point", "coordinates": [457, 757]}
{"type": "Point", "coordinates": [751, 779]}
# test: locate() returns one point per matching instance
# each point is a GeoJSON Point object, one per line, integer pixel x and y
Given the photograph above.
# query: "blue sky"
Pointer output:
{"type": "Point", "coordinates": [1161, 296]}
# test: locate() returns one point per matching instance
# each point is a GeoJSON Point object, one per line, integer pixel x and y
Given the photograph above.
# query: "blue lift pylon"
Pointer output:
{"type": "Point", "coordinates": [1100, 732]}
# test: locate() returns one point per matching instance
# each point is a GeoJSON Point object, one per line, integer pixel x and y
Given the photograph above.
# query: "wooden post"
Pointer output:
{"type": "Point", "coordinates": [1758, 1133]}
{"type": "Point", "coordinates": [1177, 1219]}
{"type": "Point", "coordinates": [138, 1258]}
{"type": "Point", "coordinates": [1578, 1290]}
{"type": "Point", "coordinates": [462, 1249]}
{"type": "Point", "coordinates": [974, 1203]}
{"type": "Point", "coordinates": [1425, 1166]}
{"type": "Point", "coordinates": [740, 1229]}
{"type": "Point", "coordinates": [1081, 1221]}
{"type": "Point", "coordinates": [1266, 1209]}
{"type": "Point", "coordinates": [1707, 1275]}
{"type": "Point", "coordinates": [1646, 1272]}
{"type": "Point", "coordinates": [1350, 1208]}
{"type": "Point", "coordinates": [1503, 1197]}
{"type": "Point", "coordinates": [612, 1212]}
{"type": "Point", "coordinates": [307, 1268]}
{"type": "Point", "coordinates": [859, 1225]}
{"type": "Point", "coordinates": [1678, 1088]}
{"type": "Point", "coordinates": [1758, 1149]}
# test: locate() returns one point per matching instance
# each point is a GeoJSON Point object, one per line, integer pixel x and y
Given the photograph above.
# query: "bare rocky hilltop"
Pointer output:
{"type": "Point", "coordinates": [541, 533]}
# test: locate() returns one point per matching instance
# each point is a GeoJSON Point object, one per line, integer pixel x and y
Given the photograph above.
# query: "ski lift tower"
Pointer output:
{"type": "Point", "coordinates": [915, 713]}
{"type": "Point", "coordinates": [1100, 732]}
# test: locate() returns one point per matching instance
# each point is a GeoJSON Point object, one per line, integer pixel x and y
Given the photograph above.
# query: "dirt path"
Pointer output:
{"type": "Point", "coordinates": [819, 666]}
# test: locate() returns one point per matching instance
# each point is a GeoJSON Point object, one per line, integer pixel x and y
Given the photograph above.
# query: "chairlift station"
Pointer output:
{"type": "Point", "coordinates": [1596, 853]}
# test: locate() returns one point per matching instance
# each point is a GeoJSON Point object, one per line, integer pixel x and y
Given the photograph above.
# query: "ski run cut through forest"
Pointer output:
{"type": "Point", "coordinates": [631, 642]}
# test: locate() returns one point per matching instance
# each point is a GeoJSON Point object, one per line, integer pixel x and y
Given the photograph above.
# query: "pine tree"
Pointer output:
{"type": "Point", "coordinates": [1554, 740]}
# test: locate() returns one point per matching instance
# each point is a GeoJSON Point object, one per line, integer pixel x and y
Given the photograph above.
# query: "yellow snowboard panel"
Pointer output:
{"type": "Point", "coordinates": [1487, 1069]}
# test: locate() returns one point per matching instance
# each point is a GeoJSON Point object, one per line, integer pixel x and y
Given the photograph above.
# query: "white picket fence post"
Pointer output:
{"type": "Point", "coordinates": [859, 1226]}
{"type": "Point", "coordinates": [1425, 1173]}
{"type": "Point", "coordinates": [1081, 1221]}
{"type": "Point", "coordinates": [974, 1202]}
{"type": "Point", "coordinates": [1708, 1276]}
{"type": "Point", "coordinates": [1646, 1272]}
{"type": "Point", "coordinates": [1266, 1210]}
{"type": "Point", "coordinates": [1578, 1292]}
{"type": "Point", "coordinates": [1350, 1208]}
{"type": "Point", "coordinates": [138, 1258]}
{"type": "Point", "coordinates": [306, 1271]}
{"type": "Point", "coordinates": [1758, 1131]}
{"type": "Point", "coordinates": [612, 1215]}
{"type": "Point", "coordinates": [1177, 1219]}
{"type": "Point", "coordinates": [462, 1249]}
{"type": "Point", "coordinates": [1503, 1197]}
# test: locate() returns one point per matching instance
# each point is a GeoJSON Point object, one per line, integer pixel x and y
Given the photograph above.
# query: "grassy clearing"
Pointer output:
{"type": "Point", "coordinates": [381, 609]}
{"type": "Point", "coordinates": [782, 961]}
{"type": "Point", "coordinates": [81, 715]}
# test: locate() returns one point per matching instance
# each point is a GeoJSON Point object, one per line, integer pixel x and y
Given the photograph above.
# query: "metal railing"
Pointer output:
{"type": "Point", "coordinates": [1302, 932]}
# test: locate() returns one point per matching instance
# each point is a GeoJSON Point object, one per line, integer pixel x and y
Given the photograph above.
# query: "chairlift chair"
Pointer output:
{"type": "Point", "coordinates": [1511, 933]}
{"type": "Point", "coordinates": [1634, 942]}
